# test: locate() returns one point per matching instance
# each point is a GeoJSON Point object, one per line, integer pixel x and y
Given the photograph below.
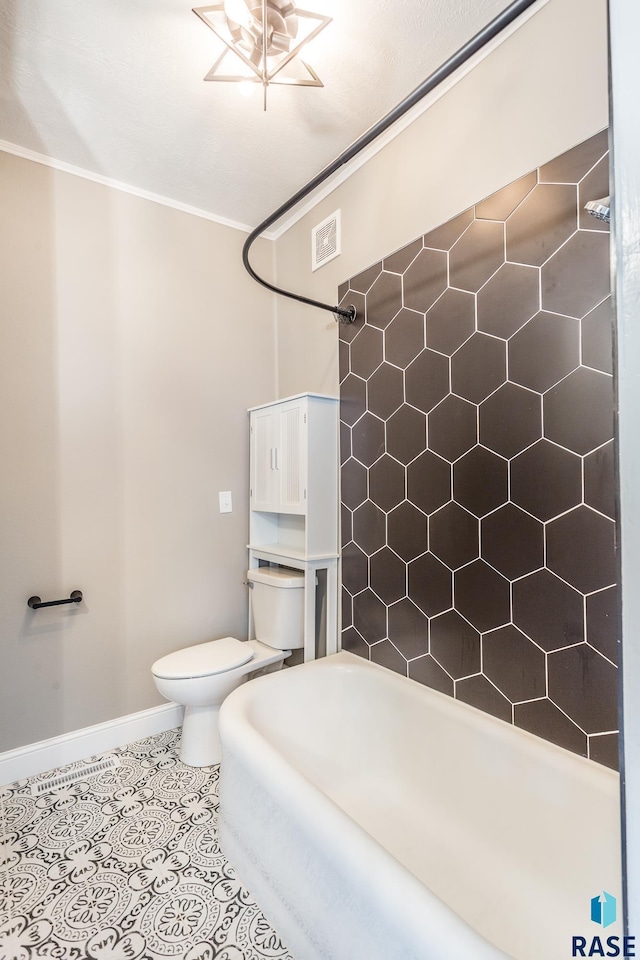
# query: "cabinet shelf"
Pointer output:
{"type": "Point", "coordinates": [282, 550]}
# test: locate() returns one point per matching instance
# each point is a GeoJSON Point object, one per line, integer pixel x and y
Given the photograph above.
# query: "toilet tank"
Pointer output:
{"type": "Point", "coordinates": [277, 602]}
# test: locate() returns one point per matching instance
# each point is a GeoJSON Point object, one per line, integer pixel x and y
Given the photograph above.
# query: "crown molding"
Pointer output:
{"type": "Point", "coordinates": [25, 154]}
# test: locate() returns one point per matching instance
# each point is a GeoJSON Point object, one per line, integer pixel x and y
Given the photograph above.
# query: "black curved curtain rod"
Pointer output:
{"type": "Point", "coordinates": [348, 314]}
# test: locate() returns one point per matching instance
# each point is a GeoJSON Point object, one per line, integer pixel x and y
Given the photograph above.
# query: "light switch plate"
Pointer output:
{"type": "Point", "coordinates": [224, 498]}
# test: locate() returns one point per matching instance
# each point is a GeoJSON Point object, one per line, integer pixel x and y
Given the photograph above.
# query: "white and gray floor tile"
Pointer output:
{"type": "Point", "coordinates": [125, 865]}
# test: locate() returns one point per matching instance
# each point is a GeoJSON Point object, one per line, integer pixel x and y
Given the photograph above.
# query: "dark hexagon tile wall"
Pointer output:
{"type": "Point", "coordinates": [477, 459]}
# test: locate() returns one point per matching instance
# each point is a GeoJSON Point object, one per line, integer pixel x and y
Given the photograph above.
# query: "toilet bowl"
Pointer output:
{"type": "Point", "coordinates": [201, 676]}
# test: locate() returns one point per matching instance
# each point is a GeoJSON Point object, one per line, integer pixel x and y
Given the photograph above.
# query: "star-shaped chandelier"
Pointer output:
{"type": "Point", "coordinates": [264, 36]}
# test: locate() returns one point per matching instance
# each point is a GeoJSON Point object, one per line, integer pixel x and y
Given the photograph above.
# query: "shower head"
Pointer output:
{"type": "Point", "coordinates": [600, 209]}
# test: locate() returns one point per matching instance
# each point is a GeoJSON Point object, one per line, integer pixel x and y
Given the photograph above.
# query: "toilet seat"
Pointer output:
{"type": "Point", "coordinates": [203, 659]}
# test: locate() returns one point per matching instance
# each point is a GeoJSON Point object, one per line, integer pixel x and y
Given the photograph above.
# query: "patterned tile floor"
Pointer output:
{"type": "Point", "coordinates": [125, 865]}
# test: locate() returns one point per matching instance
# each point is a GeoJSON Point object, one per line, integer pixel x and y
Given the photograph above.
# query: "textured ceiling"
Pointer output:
{"type": "Point", "coordinates": [116, 88]}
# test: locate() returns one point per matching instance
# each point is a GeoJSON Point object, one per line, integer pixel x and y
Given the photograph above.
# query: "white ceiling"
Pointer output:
{"type": "Point", "coordinates": [115, 87]}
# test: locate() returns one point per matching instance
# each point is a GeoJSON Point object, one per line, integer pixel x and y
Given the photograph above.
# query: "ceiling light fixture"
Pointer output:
{"type": "Point", "coordinates": [265, 35]}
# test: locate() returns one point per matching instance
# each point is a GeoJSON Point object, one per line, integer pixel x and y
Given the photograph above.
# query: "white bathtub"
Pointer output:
{"type": "Point", "coordinates": [375, 819]}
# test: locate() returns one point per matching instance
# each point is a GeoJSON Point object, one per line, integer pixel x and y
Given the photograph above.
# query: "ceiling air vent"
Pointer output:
{"type": "Point", "coordinates": [325, 241]}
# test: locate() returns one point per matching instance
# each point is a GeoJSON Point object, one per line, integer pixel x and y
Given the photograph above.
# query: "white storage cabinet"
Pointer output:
{"type": "Point", "coordinates": [294, 497]}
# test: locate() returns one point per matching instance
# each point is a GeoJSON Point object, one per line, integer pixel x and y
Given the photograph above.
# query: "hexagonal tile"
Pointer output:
{"type": "Point", "coordinates": [425, 280]}
{"type": "Point", "coordinates": [597, 337]}
{"type": "Point", "coordinates": [347, 609]}
{"type": "Point", "coordinates": [427, 380]}
{"type": "Point", "coordinates": [480, 481]}
{"type": "Point", "coordinates": [476, 255]}
{"type": "Point", "coordinates": [548, 610]}
{"type": "Point", "coordinates": [365, 279]}
{"type": "Point", "coordinates": [444, 236]}
{"type": "Point", "coordinates": [407, 534]}
{"type": "Point", "coordinates": [453, 427]}
{"type": "Point", "coordinates": [353, 402]}
{"type": "Point", "coordinates": [592, 703]}
{"type": "Point", "coordinates": [425, 670]}
{"type": "Point", "coordinates": [605, 748]}
{"type": "Point", "coordinates": [480, 693]}
{"type": "Point", "coordinates": [404, 337]}
{"type": "Point", "coordinates": [546, 480]}
{"type": "Point", "coordinates": [514, 664]}
{"type": "Point", "coordinates": [345, 442]}
{"type": "Point", "coordinates": [478, 367]}
{"type": "Point", "coordinates": [544, 351]}
{"type": "Point", "coordinates": [451, 321]}
{"type": "Point", "coordinates": [384, 299]}
{"type": "Point", "coordinates": [353, 642]}
{"type": "Point", "coordinates": [602, 622]}
{"type": "Point", "coordinates": [406, 433]}
{"type": "Point", "coordinates": [510, 420]}
{"type": "Point", "coordinates": [581, 549]}
{"type": "Point", "coordinates": [455, 645]}
{"type": "Point", "coordinates": [595, 184]}
{"type": "Point", "coordinates": [599, 480]}
{"type": "Point", "coordinates": [386, 483]}
{"type": "Point", "coordinates": [385, 390]}
{"type": "Point", "coordinates": [366, 351]}
{"type": "Point", "coordinates": [369, 616]}
{"type": "Point", "coordinates": [578, 412]}
{"type": "Point", "coordinates": [429, 482]}
{"type": "Point", "coordinates": [400, 260]}
{"type": "Point", "coordinates": [577, 277]}
{"type": "Point", "coordinates": [354, 569]}
{"type": "Point", "coordinates": [369, 527]}
{"type": "Point", "coordinates": [543, 718]}
{"type": "Point", "coordinates": [367, 437]}
{"type": "Point", "coordinates": [465, 401]}
{"type": "Point", "coordinates": [408, 629]}
{"type": "Point", "coordinates": [454, 536]}
{"type": "Point", "coordinates": [543, 221]}
{"type": "Point", "coordinates": [508, 300]}
{"type": "Point", "coordinates": [346, 525]}
{"type": "Point", "coordinates": [388, 575]}
{"type": "Point", "coordinates": [570, 167]}
{"type": "Point", "coordinates": [387, 656]}
{"type": "Point", "coordinates": [482, 596]}
{"type": "Point", "coordinates": [344, 360]}
{"type": "Point", "coordinates": [348, 331]}
{"type": "Point", "coordinates": [430, 584]}
{"type": "Point", "coordinates": [512, 542]}
{"type": "Point", "coordinates": [353, 478]}
{"type": "Point", "coordinates": [500, 204]}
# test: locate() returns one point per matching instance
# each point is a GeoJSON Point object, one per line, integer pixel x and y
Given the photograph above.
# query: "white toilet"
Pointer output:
{"type": "Point", "coordinates": [201, 676]}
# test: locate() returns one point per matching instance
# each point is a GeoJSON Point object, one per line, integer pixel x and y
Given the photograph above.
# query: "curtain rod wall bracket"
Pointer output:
{"type": "Point", "coordinates": [348, 315]}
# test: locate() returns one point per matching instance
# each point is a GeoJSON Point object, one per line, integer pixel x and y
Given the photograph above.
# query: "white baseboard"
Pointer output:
{"type": "Point", "coordinates": [45, 755]}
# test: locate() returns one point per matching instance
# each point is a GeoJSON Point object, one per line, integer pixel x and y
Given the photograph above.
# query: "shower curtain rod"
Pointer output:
{"type": "Point", "coordinates": [496, 26]}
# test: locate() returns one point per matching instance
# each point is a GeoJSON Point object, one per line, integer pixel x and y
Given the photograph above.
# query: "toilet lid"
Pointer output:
{"type": "Point", "coordinates": [203, 659]}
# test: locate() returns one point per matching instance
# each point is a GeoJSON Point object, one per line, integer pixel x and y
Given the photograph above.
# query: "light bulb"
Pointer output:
{"type": "Point", "coordinates": [238, 12]}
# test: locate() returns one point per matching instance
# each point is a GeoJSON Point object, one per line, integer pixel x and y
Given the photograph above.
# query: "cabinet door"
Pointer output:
{"type": "Point", "coordinates": [291, 458]}
{"type": "Point", "coordinates": [264, 489]}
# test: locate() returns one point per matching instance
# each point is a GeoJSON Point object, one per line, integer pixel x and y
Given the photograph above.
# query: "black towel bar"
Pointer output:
{"type": "Point", "coordinates": [35, 602]}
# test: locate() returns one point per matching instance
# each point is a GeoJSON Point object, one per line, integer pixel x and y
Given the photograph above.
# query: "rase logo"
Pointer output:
{"type": "Point", "coordinates": [604, 910]}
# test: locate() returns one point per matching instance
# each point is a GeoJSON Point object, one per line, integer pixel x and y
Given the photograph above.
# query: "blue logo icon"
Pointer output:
{"type": "Point", "coordinates": [604, 909]}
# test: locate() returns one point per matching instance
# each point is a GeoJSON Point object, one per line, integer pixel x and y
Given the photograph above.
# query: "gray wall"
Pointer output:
{"type": "Point", "coordinates": [132, 344]}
